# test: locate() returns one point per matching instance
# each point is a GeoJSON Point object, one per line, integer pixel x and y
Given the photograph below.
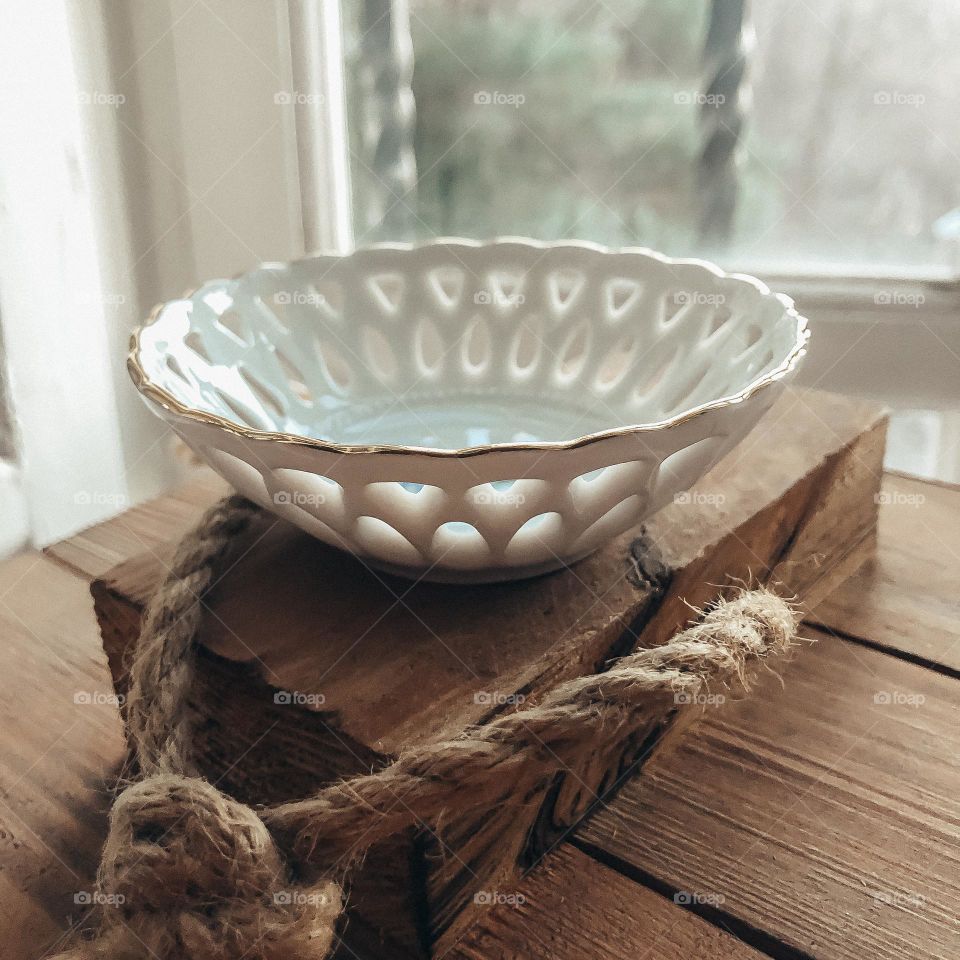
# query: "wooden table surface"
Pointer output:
{"type": "Point", "coordinates": [819, 818]}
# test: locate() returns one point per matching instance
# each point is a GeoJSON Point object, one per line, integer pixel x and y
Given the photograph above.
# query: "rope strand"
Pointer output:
{"type": "Point", "coordinates": [161, 674]}
{"type": "Point", "coordinates": [195, 875]}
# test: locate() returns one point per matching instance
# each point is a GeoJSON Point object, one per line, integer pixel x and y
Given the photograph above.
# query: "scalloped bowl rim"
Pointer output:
{"type": "Point", "coordinates": [159, 395]}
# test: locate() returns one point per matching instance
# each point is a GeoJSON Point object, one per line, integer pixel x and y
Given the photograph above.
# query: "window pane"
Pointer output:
{"type": "Point", "coordinates": [853, 150]}
{"type": "Point", "coordinates": [571, 119]}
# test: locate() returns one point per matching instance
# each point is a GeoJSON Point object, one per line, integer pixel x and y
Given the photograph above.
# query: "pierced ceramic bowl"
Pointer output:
{"type": "Point", "coordinates": [468, 411]}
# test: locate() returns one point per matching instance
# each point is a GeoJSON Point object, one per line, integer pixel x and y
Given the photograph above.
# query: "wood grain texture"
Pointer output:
{"type": "Point", "coordinates": [378, 664]}
{"type": "Point", "coordinates": [61, 745]}
{"type": "Point", "coordinates": [906, 597]}
{"type": "Point", "coordinates": [823, 810]}
{"type": "Point", "coordinates": [573, 908]}
{"type": "Point", "coordinates": [813, 820]}
{"type": "Point", "coordinates": [400, 662]}
{"type": "Point", "coordinates": [94, 551]}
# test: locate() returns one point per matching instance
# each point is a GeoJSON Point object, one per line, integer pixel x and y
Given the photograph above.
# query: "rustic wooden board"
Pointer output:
{"type": "Point", "coordinates": [92, 552]}
{"type": "Point", "coordinates": [36, 892]}
{"type": "Point", "coordinates": [907, 598]}
{"type": "Point", "coordinates": [823, 810]}
{"type": "Point", "coordinates": [513, 633]}
{"type": "Point", "coordinates": [573, 908]}
{"type": "Point", "coordinates": [381, 664]}
{"type": "Point", "coordinates": [61, 744]}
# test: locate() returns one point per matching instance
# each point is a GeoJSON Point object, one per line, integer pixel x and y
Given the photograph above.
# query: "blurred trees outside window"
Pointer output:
{"type": "Point", "coordinates": [582, 119]}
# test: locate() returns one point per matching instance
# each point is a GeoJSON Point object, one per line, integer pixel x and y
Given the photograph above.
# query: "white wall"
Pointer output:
{"type": "Point", "coordinates": [144, 151]}
{"type": "Point", "coordinates": [207, 149]}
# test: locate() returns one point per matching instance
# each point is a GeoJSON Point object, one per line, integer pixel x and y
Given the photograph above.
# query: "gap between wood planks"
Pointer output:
{"type": "Point", "coordinates": [505, 929]}
{"type": "Point", "coordinates": [906, 656]}
{"type": "Point", "coordinates": [924, 636]}
{"type": "Point", "coordinates": [745, 932]}
{"type": "Point", "coordinates": [749, 934]}
{"type": "Point", "coordinates": [799, 826]}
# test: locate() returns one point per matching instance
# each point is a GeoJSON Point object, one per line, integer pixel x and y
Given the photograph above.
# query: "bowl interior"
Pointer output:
{"type": "Point", "coordinates": [454, 345]}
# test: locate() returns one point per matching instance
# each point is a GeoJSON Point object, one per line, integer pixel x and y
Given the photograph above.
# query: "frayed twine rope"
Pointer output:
{"type": "Point", "coordinates": [192, 874]}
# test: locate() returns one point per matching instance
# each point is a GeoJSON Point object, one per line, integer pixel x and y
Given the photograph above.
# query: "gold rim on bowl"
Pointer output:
{"type": "Point", "coordinates": [163, 398]}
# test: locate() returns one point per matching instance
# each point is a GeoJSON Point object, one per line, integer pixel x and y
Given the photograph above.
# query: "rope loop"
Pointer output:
{"type": "Point", "coordinates": [189, 873]}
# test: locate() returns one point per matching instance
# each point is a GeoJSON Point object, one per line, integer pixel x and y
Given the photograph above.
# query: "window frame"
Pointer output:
{"type": "Point", "coordinates": [72, 402]}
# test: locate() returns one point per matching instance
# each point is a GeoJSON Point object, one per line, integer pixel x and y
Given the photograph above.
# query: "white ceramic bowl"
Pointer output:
{"type": "Point", "coordinates": [468, 411]}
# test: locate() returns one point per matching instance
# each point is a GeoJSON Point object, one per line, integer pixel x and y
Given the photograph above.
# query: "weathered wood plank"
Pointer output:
{"type": "Point", "coordinates": [764, 512]}
{"type": "Point", "coordinates": [61, 744]}
{"type": "Point", "coordinates": [824, 811]}
{"type": "Point", "coordinates": [907, 597]}
{"type": "Point", "coordinates": [383, 664]}
{"type": "Point", "coordinates": [92, 552]}
{"type": "Point", "coordinates": [573, 908]}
